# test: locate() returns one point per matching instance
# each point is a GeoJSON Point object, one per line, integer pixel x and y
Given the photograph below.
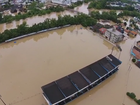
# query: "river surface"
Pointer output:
{"type": "Point", "coordinates": [31, 62]}
{"type": "Point", "coordinates": [33, 20]}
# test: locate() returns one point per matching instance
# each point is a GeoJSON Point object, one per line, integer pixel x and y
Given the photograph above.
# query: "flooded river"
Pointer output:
{"type": "Point", "coordinates": [31, 62]}
{"type": "Point", "coordinates": [33, 20]}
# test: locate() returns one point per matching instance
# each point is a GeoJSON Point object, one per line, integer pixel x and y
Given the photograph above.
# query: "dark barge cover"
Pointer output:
{"type": "Point", "coordinates": [68, 88]}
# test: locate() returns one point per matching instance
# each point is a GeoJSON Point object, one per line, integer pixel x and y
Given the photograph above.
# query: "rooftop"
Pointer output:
{"type": "Point", "coordinates": [136, 51]}
{"type": "Point", "coordinates": [114, 31]}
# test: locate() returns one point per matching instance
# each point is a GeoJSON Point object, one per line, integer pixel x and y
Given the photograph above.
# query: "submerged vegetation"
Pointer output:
{"type": "Point", "coordinates": [134, 60]}
{"type": "Point", "coordinates": [22, 29]}
{"type": "Point", "coordinates": [133, 96]}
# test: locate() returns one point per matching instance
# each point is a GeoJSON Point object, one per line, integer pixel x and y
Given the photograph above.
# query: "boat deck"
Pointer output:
{"type": "Point", "coordinates": [78, 79]}
{"type": "Point", "coordinates": [89, 74]}
{"type": "Point", "coordinates": [53, 93]}
{"type": "Point", "coordinates": [66, 86]}
{"type": "Point", "coordinates": [70, 87]}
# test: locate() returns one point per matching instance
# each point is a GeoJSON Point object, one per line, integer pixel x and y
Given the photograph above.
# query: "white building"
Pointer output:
{"type": "Point", "coordinates": [113, 35]}
{"type": "Point", "coordinates": [63, 2]}
{"type": "Point", "coordinates": [3, 1]}
{"type": "Point", "coordinates": [135, 0]}
{"type": "Point", "coordinates": [74, 1]}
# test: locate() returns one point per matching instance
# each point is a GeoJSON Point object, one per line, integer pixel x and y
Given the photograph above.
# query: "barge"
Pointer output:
{"type": "Point", "coordinates": [66, 89]}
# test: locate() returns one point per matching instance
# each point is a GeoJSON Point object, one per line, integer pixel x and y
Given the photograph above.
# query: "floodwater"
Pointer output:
{"type": "Point", "coordinates": [82, 8]}
{"type": "Point", "coordinates": [33, 20]}
{"type": "Point", "coordinates": [34, 61]}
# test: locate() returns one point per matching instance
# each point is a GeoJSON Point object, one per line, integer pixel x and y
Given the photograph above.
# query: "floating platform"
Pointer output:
{"type": "Point", "coordinates": [68, 88]}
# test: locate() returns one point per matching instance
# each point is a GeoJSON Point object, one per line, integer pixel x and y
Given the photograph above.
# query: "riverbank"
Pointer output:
{"type": "Point", "coordinates": [34, 33]}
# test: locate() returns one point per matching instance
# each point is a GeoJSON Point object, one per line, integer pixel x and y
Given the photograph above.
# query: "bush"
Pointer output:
{"type": "Point", "coordinates": [138, 101]}
{"type": "Point", "coordinates": [133, 60]}
{"type": "Point", "coordinates": [125, 23]}
{"type": "Point", "coordinates": [131, 95]}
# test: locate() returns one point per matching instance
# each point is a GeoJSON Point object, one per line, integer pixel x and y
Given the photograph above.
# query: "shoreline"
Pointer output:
{"type": "Point", "coordinates": [35, 33]}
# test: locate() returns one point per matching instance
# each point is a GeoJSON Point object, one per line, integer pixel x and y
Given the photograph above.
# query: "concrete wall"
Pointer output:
{"type": "Point", "coordinates": [112, 37]}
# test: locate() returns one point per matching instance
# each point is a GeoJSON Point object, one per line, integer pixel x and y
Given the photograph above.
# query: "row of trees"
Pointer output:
{"type": "Point", "coordinates": [22, 29]}
{"type": "Point", "coordinates": [32, 12]}
{"type": "Point", "coordinates": [133, 96]}
{"type": "Point", "coordinates": [105, 15]}
{"type": "Point", "coordinates": [129, 13]}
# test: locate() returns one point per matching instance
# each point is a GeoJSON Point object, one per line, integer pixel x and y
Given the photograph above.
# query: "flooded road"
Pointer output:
{"type": "Point", "coordinates": [33, 20]}
{"type": "Point", "coordinates": [34, 61]}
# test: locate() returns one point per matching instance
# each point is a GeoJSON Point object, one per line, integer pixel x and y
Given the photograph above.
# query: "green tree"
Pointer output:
{"type": "Point", "coordinates": [0, 17]}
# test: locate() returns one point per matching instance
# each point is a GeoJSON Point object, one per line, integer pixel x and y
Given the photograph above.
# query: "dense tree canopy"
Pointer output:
{"type": "Point", "coordinates": [129, 13]}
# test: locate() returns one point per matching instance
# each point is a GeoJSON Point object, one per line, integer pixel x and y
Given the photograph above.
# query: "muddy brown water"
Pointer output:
{"type": "Point", "coordinates": [82, 8]}
{"type": "Point", "coordinates": [34, 61]}
{"type": "Point", "coordinates": [33, 20]}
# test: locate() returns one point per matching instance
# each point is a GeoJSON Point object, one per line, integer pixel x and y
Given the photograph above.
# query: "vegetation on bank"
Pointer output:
{"type": "Point", "coordinates": [32, 12]}
{"type": "Point", "coordinates": [133, 96]}
{"type": "Point", "coordinates": [134, 60]}
{"type": "Point", "coordinates": [129, 13]}
{"type": "Point", "coordinates": [35, 5]}
{"type": "Point", "coordinates": [22, 29]}
{"type": "Point", "coordinates": [105, 16]}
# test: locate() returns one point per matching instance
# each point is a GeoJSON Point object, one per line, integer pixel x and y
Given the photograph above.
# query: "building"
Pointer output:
{"type": "Point", "coordinates": [113, 35]}
{"type": "Point", "coordinates": [70, 87]}
{"type": "Point", "coordinates": [65, 2]}
{"type": "Point", "coordinates": [3, 1]}
{"type": "Point", "coordinates": [62, 2]}
{"type": "Point", "coordinates": [135, 0]}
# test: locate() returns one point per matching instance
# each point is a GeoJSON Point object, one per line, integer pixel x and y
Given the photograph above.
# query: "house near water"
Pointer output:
{"type": "Point", "coordinates": [114, 35]}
